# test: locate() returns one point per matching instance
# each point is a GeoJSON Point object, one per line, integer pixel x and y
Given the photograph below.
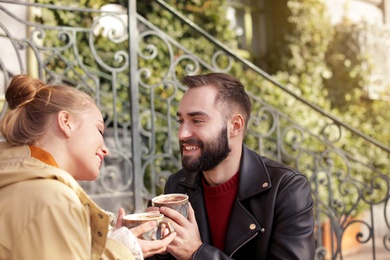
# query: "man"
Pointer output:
{"type": "Point", "coordinates": [242, 205]}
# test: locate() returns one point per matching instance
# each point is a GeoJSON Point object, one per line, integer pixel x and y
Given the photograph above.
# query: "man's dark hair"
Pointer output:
{"type": "Point", "coordinates": [231, 92]}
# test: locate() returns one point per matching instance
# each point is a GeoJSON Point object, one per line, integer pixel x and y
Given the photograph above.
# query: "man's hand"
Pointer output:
{"type": "Point", "coordinates": [187, 240]}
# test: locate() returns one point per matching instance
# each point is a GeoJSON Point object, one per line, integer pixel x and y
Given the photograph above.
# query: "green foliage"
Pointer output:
{"type": "Point", "coordinates": [347, 78]}
{"type": "Point", "coordinates": [206, 13]}
{"type": "Point", "coordinates": [350, 72]}
{"type": "Point", "coordinates": [300, 58]}
{"type": "Point", "coordinates": [326, 66]}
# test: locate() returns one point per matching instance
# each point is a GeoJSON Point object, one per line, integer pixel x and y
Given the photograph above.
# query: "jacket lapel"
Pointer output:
{"type": "Point", "coordinates": [254, 179]}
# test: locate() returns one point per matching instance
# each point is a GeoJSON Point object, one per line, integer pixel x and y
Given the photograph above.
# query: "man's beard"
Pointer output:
{"type": "Point", "coordinates": [212, 153]}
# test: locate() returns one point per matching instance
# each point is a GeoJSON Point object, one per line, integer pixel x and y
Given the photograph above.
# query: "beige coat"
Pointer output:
{"type": "Point", "coordinates": [45, 214]}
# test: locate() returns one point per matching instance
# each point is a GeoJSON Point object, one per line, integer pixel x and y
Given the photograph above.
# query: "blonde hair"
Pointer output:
{"type": "Point", "coordinates": [32, 105]}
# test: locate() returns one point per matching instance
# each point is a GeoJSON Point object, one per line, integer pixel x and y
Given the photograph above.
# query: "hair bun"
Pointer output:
{"type": "Point", "coordinates": [22, 90]}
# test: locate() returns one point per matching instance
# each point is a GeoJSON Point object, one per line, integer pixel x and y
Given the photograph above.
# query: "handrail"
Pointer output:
{"type": "Point", "coordinates": [55, 7]}
{"type": "Point", "coordinates": [269, 77]}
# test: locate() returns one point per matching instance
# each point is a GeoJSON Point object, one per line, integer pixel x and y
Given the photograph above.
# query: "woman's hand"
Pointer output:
{"type": "Point", "coordinates": [121, 214]}
{"type": "Point", "coordinates": [149, 248]}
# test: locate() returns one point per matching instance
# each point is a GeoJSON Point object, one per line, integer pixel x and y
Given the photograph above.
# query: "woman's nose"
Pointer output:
{"type": "Point", "coordinates": [105, 150]}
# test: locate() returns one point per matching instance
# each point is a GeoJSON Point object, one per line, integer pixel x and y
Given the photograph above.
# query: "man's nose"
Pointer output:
{"type": "Point", "coordinates": [184, 132]}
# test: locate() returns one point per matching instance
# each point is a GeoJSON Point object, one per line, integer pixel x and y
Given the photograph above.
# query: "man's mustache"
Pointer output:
{"type": "Point", "coordinates": [192, 141]}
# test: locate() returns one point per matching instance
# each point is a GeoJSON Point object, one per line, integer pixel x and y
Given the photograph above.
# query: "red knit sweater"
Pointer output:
{"type": "Point", "coordinates": [219, 202]}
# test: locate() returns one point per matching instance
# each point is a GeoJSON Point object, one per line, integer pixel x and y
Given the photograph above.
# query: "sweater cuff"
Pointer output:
{"type": "Point", "coordinates": [124, 235]}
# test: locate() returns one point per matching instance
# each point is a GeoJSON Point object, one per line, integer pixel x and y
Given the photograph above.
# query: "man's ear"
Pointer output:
{"type": "Point", "coordinates": [64, 123]}
{"type": "Point", "coordinates": [237, 125]}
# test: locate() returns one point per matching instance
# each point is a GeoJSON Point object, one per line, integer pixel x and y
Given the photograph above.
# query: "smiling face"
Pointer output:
{"type": "Point", "coordinates": [86, 145]}
{"type": "Point", "coordinates": [202, 134]}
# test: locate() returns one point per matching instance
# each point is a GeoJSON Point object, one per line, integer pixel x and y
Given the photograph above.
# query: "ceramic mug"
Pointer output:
{"type": "Point", "coordinates": [133, 220]}
{"type": "Point", "coordinates": [176, 201]}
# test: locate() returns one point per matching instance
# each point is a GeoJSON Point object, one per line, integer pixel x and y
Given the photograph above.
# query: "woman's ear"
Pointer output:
{"type": "Point", "coordinates": [237, 125]}
{"type": "Point", "coordinates": [64, 123]}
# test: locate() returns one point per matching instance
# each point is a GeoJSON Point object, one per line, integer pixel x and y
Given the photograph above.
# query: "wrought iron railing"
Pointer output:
{"type": "Point", "coordinates": [134, 69]}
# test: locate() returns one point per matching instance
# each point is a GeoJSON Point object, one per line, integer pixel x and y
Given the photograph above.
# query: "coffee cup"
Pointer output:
{"type": "Point", "coordinates": [176, 201]}
{"type": "Point", "coordinates": [136, 219]}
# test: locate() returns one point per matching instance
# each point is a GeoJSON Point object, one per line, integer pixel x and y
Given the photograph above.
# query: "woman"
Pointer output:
{"type": "Point", "coordinates": [53, 137]}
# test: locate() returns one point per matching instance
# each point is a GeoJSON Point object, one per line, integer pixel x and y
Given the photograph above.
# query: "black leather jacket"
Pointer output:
{"type": "Point", "coordinates": [272, 217]}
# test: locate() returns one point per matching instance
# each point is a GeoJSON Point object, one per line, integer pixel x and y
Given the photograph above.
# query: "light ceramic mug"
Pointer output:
{"type": "Point", "coordinates": [176, 201]}
{"type": "Point", "coordinates": [136, 219]}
